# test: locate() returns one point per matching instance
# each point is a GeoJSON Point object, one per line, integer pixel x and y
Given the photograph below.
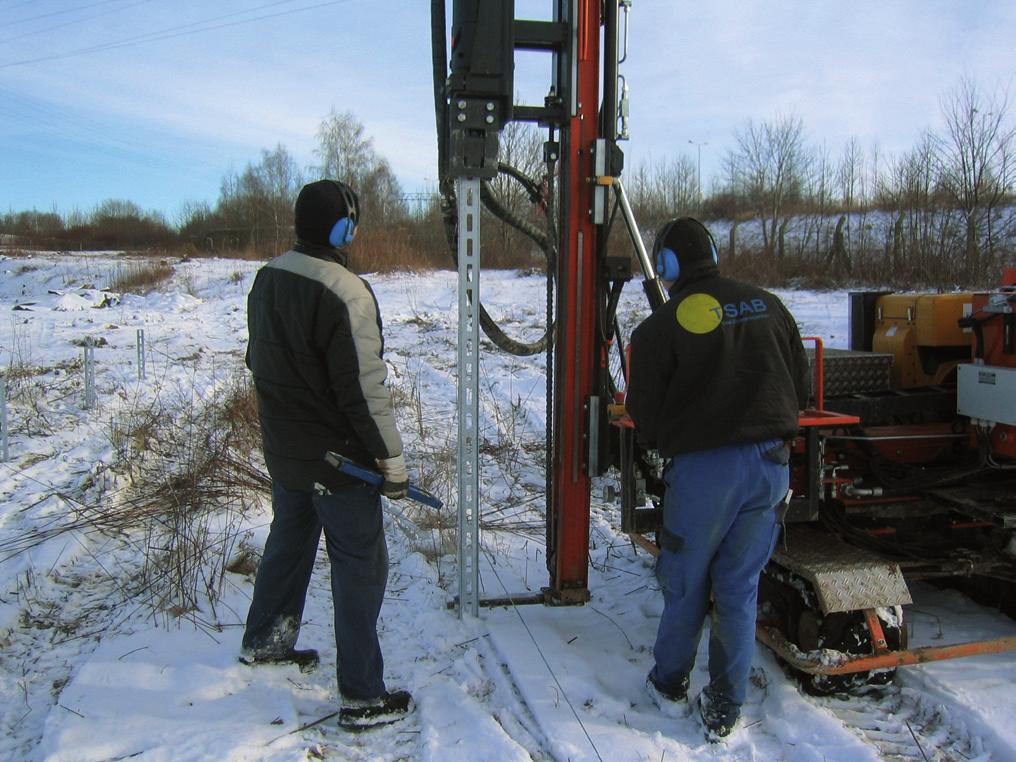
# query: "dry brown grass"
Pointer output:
{"type": "Point", "coordinates": [192, 479]}
{"type": "Point", "coordinates": [140, 277]}
{"type": "Point", "coordinates": [391, 251]}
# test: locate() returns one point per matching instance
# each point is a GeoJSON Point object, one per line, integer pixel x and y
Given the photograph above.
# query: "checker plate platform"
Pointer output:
{"type": "Point", "coordinates": [851, 372]}
{"type": "Point", "coordinates": [845, 577]}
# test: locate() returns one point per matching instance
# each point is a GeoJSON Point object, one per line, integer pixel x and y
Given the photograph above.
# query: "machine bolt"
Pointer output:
{"type": "Point", "coordinates": [461, 104]}
{"type": "Point", "coordinates": [462, 117]}
{"type": "Point", "coordinates": [490, 105]}
{"type": "Point", "coordinates": [489, 119]}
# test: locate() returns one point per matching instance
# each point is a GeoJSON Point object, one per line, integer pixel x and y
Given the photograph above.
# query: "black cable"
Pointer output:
{"type": "Point", "coordinates": [449, 213]}
{"type": "Point", "coordinates": [439, 59]}
{"type": "Point", "coordinates": [72, 22]}
{"type": "Point", "coordinates": [495, 207]}
{"type": "Point", "coordinates": [920, 478]}
{"type": "Point", "coordinates": [171, 32]}
{"type": "Point", "coordinates": [490, 328]}
{"type": "Point", "coordinates": [56, 13]}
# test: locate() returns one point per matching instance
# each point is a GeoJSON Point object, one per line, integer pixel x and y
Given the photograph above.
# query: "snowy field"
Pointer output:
{"type": "Point", "coordinates": [90, 671]}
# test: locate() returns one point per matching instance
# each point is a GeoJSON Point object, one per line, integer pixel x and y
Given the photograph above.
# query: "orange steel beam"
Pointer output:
{"type": "Point", "coordinates": [877, 633]}
{"type": "Point", "coordinates": [814, 665]}
{"type": "Point", "coordinates": [844, 665]}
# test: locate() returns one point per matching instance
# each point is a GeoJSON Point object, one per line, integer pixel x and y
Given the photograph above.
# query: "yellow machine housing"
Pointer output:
{"type": "Point", "coordinates": [921, 332]}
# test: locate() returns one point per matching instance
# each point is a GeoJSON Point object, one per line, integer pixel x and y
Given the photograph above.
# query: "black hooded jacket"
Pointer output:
{"type": "Point", "coordinates": [720, 363]}
{"type": "Point", "coordinates": [315, 350]}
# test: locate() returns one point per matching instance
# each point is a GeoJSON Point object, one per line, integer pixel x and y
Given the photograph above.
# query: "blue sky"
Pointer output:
{"type": "Point", "coordinates": [155, 101]}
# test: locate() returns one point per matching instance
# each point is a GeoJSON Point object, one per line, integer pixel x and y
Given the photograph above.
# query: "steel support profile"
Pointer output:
{"type": "Point", "coordinates": [467, 192]}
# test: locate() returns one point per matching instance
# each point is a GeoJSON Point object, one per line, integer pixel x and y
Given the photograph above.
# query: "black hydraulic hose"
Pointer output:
{"type": "Point", "coordinates": [919, 478]}
{"type": "Point", "coordinates": [493, 331]}
{"type": "Point", "coordinates": [495, 207]}
{"type": "Point", "coordinates": [439, 61]}
{"type": "Point", "coordinates": [532, 187]}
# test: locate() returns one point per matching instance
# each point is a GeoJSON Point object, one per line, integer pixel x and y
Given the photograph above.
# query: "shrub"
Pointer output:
{"type": "Point", "coordinates": [140, 277]}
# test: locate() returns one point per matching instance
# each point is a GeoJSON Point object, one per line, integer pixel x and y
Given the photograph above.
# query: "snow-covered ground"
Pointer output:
{"type": "Point", "coordinates": [88, 671]}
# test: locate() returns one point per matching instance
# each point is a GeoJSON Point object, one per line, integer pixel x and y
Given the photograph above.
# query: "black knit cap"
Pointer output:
{"type": "Point", "coordinates": [690, 241]}
{"type": "Point", "coordinates": [319, 206]}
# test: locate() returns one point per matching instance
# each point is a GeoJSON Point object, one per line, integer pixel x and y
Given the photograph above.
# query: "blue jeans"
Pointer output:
{"type": "Point", "coordinates": [720, 519]}
{"type": "Point", "coordinates": [358, 553]}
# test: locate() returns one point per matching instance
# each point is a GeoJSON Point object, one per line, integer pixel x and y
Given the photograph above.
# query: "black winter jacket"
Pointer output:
{"type": "Point", "coordinates": [720, 363]}
{"type": "Point", "coordinates": [315, 350]}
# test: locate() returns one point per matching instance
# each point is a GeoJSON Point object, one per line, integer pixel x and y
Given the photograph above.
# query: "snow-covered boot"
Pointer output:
{"type": "Point", "coordinates": [718, 714]}
{"type": "Point", "coordinates": [359, 714]}
{"type": "Point", "coordinates": [672, 700]}
{"type": "Point", "coordinates": [306, 659]}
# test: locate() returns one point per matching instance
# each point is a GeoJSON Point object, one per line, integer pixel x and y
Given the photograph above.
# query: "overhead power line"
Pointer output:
{"type": "Point", "coordinates": [56, 13]}
{"type": "Point", "coordinates": [72, 22]}
{"type": "Point", "coordinates": [177, 31]}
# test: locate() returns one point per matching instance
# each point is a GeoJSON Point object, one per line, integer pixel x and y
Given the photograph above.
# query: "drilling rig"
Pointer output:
{"type": "Point", "coordinates": [904, 465]}
{"type": "Point", "coordinates": [585, 115]}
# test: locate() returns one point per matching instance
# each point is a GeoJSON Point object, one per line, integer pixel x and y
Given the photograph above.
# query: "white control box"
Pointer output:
{"type": "Point", "coordinates": [987, 393]}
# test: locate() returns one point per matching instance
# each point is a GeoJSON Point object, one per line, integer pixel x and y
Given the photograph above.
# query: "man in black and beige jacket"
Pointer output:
{"type": "Point", "coordinates": [316, 352]}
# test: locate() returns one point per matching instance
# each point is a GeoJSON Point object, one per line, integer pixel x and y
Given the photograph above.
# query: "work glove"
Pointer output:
{"type": "Point", "coordinates": [396, 483]}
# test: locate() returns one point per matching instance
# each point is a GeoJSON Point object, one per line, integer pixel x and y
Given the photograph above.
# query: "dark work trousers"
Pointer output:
{"type": "Point", "coordinates": [355, 540]}
{"type": "Point", "coordinates": [720, 519]}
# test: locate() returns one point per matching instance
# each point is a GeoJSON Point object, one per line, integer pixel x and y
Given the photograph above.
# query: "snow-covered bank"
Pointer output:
{"type": "Point", "coordinates": [89, 673]}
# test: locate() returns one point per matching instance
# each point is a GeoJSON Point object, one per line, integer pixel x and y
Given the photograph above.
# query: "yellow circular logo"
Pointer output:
{"type": "Point", "coordinates": [699, 313]}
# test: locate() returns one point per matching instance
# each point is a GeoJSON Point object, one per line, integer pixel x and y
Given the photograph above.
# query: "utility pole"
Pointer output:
{"type": "Point", "coordinates": [698, 172]}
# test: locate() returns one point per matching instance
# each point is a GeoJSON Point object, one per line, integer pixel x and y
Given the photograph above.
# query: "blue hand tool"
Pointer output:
{"type": "Point", "coordinates": [370, 476]}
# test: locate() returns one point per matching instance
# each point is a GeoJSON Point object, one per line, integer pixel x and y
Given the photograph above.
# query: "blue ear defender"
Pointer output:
{"type": "Point", "coordinates": [342, 232]}
{"type": "Point", "coordinates": [667, 266]}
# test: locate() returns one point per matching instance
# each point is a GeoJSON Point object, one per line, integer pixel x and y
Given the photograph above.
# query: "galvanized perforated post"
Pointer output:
{"type": "Point", "coordinates": [89, 374]}
{"type": "Point", "coordinates": [141, 354]}
{"type": "Point", "coordinates": [467, 190]}
{"type": "Point", "coordinates": [4, 451]}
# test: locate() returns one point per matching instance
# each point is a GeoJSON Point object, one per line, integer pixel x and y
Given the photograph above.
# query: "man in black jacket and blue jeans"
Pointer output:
{"type": "Point", "coordinates": [316, 351]}
{"type": "Point", "coordinates": [718, 374]}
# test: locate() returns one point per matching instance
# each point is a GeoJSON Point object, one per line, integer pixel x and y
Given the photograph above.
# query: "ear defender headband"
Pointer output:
{"type": "Point", "coordinates": [668, 267]}
{"type": "Point", "coordinates": [343, 230]}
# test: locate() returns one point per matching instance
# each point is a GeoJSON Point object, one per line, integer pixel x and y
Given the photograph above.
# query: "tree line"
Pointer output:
{"type": "Point", "coordinates": [941, 213]}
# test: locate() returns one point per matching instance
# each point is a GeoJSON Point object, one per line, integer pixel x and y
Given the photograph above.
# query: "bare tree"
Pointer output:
{"type": "Point", "coordinates": [818, 175]}
{"type": "Point", "coordinates": [767, 169]}
{"type": "Point", "coordinates": [663, 189]}
{"type": "Point", "coordinates": [257, 204]}
{"type": "Point", "coordinates": [975, 155]}
{"type": "Point", "coordinates": [851, 184]}
{"type": "Point", "coordinates": [347, 153]}
{"type": "Point", "coordinates": [344, 148]}
{"type": "Point", "coordinates": [919, 242]}
{"type": "Point", "coordinates": [849, 173]}
{"type": "Point", "coordinates": [279, 180]}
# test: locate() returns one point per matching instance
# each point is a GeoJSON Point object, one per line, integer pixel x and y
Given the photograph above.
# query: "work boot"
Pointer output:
{"type": "Point", "coordinates": [718, 714]}
{"type": "Point", "coordinates": [672, 700]}
{"type": "Point", "coordinates": [360, 714]}
{"type": "Point", "coordinates": [307, 659]}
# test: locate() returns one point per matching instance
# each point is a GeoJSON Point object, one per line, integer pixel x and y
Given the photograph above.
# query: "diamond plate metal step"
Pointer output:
{"type": "Point", "coordinates": [845, 577]}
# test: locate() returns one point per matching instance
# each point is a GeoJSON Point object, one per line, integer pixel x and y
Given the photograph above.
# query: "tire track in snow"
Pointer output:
{"type": "Point", "coordinates": [62, 616]}
{"type": "Point", "coordinates": [902, 724]}
{"type": "Point", "coordinates": [508, 706]}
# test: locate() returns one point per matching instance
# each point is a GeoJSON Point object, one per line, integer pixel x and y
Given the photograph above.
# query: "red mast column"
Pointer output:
{"type": "Point", "coordinates": [575, 340]}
